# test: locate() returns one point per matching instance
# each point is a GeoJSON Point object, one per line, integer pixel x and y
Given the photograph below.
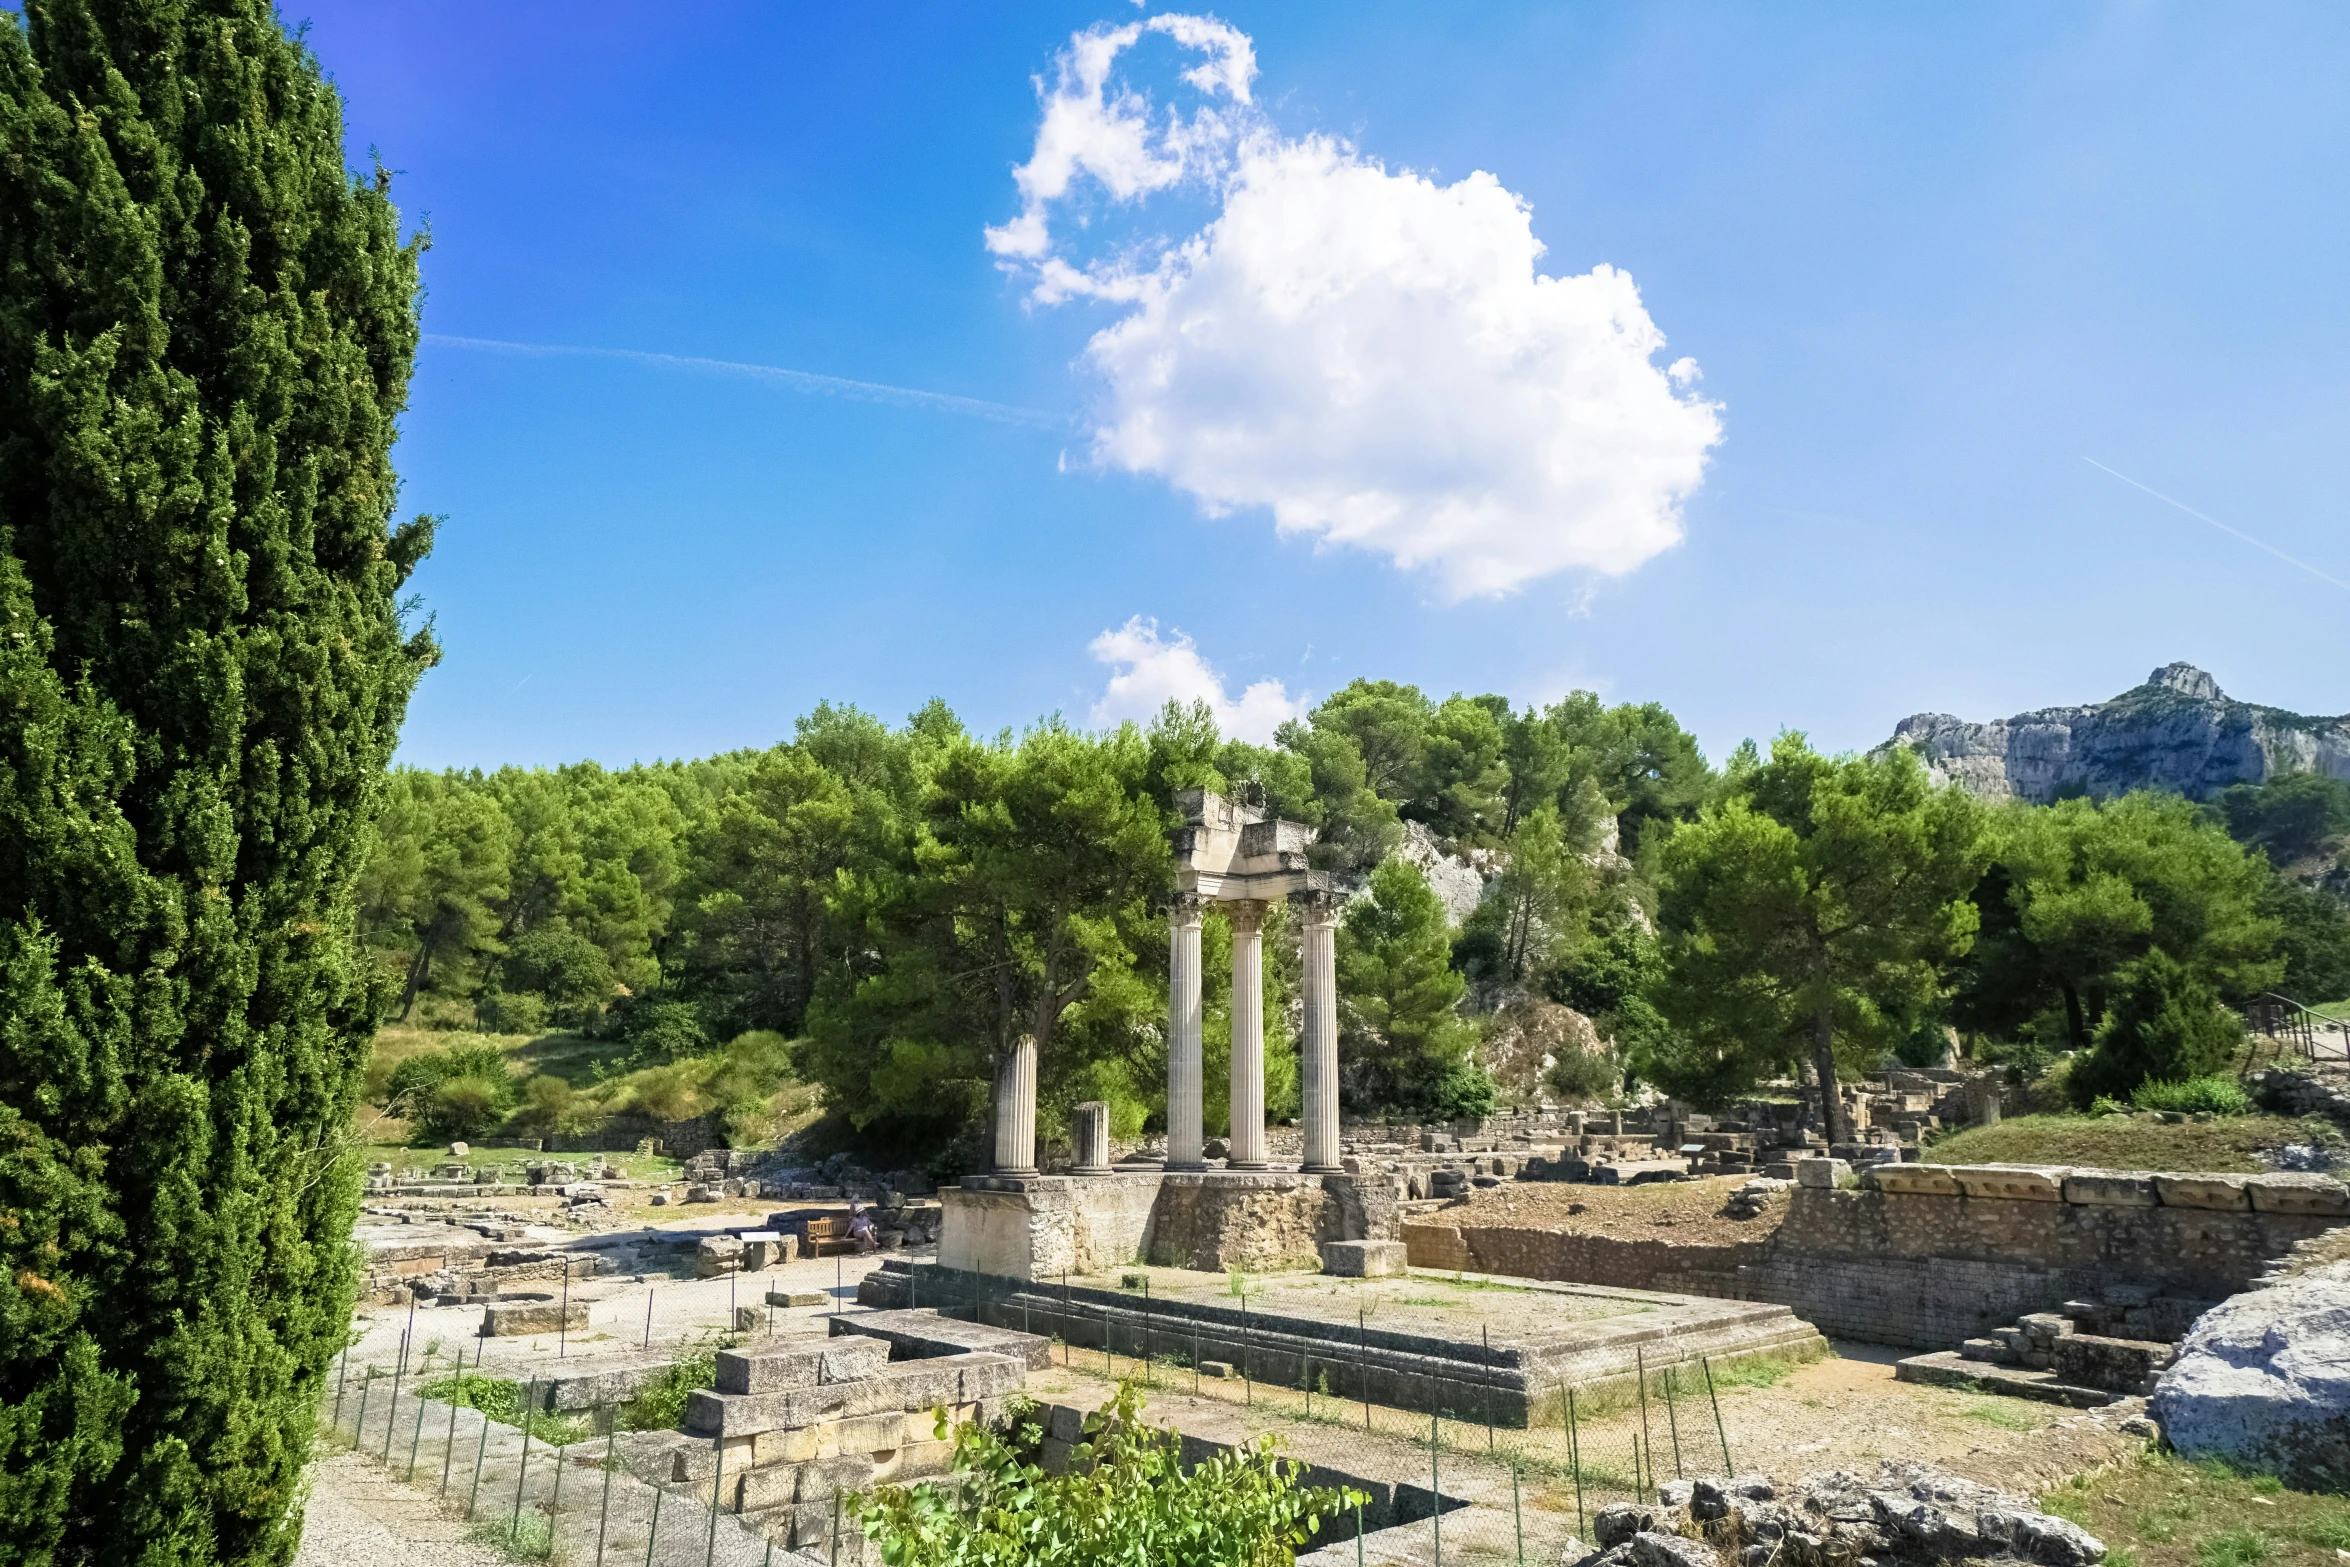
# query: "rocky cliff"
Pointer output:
{"type": "Point", "coordinates": [2178, 731]}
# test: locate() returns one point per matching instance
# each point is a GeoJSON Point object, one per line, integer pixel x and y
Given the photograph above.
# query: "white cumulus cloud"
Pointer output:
{"type": "Point", "coordinates": [1147, 670]}
{"type": "Point", "coordinates": [1370, 355]}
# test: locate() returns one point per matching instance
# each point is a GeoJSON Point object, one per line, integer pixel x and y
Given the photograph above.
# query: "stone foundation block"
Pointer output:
{"type": "Point", "coordinates": [797, 1297]}
{"type": "Point", "coordinates": [2118, 1365]}
{"type": "Point", "coordinates": [872, 1433]}
{"type": "Point", "coordinates": [774, 1486]}
{"type": "Point", "coordinates": [1921, 1180]}
{"type": "Point", "coordinates": [1364, 1259]}
{"type": "Point", "coordinates": [522, 1317]}
{"type": "Point", "coordinates": [2203, 1191]}
{"type": "Point", "coordinates": [776, 1365]}
{"type": "Point", "coordinates": [2289, 1193]}
{"type": "Point", "coordinates": [2010, 1185]}
{"type": "Point", "coordinates": [792, 1446]}
{"type": "Point", "coordinates": [1821, 1174]}
{"type": "Point", "coordinates": [717, 1254]}
{"type": "Point", "coordinates": [2095, 1189]}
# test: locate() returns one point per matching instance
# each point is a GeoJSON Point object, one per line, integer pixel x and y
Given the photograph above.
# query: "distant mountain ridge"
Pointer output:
{"type": "Point", "coordinates": [2178, 731]}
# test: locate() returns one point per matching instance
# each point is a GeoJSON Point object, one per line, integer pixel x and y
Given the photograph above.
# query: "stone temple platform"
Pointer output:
{"type": "Point", "coordinates": [1042, 1226]}
{"type": "Point", "coordinates": [1466, 1346]}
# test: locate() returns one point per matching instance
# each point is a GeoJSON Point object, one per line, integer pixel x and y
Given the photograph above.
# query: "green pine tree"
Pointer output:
{"type": "Point", "coordinates": [206, 331]}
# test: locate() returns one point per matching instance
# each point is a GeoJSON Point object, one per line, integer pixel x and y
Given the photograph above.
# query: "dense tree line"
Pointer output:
{"type": "Point", "coordinates": [903, 903]}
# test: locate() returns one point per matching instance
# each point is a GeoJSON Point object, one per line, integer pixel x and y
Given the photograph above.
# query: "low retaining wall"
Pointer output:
{"type": "Point", "coordinates": [1926, 1256]}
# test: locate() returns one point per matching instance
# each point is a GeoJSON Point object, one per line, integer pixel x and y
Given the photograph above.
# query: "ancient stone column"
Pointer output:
{"type": "Point", "coordinates": [1317, 914]}
{"type": "Point", "coordinates": [1247, 920]}
{"type": "Point", "coordinates": [1089, 1127]}
{"type": "Point", "coordinates": [1184, 1138]}
{"type": "Point", "coordinates": [1015, 1110]}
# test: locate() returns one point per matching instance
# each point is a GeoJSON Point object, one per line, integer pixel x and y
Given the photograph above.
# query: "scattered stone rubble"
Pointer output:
{"type": "Point", "coordinates": [1905, 1513]}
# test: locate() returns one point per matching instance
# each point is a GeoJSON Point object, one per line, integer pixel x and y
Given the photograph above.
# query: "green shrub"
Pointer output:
{"type": "Point", "coordinates": [2165, 1025]}
{"type": "Point", "coordinates": [2212, 1095]}
{"type": "Point", "coordinates": [461, 1090]}
{"type": "Point", "coordinates": [1126, 1496]}
{"type": "Point", "coordinates": [1589, 1075]}
{"type": "Point", "coordinates": [661, 1405]}
{"type": "Point", "coordinates": [552, 1107]}
{"type": "Point", "coordinates": [511, 1011]}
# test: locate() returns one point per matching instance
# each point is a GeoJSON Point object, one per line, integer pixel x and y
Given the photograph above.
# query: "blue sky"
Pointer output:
{"type": "Point", "coordinates": [1927, 260]}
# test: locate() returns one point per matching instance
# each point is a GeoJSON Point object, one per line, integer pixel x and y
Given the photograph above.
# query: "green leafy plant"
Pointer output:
{"type": "Point", "coordinates": [1126, 1496]}
{"type": "Point", "coordinates": [2233, 1548]}
{"type": "Point", "coordinates": [2211, 1094]}
{"type": "Point", "coordinates": [661, 1404]}
{"type": "Point", "coordinates": [461, 1090]}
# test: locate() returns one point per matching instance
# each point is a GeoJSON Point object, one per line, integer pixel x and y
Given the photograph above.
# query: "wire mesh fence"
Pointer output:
{"type": "Point", "coordinates": [1463, 1481]}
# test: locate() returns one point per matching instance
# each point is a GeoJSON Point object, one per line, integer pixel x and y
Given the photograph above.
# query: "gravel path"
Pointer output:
{"type": "Point", "coordinates": [358, 1517]}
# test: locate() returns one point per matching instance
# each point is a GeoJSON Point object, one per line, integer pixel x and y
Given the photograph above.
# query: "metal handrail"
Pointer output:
{"type": "Point", "coordinates": [2309, 1020]}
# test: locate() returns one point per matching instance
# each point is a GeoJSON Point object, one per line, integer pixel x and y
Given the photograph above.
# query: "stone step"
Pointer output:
{"type": "Point", "coordinates": [1947, 1369]}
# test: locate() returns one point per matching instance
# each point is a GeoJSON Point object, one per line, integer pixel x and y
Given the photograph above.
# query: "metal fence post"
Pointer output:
{"type": "Point", "coordinates": [1640, 1359]}
{"type": "Point", "coordinates": [1363, 1370]}
{"type": "Point", "coordinates": [479, 1448]}
{"type": "Point", "coordinates": [1248, 1386]}
{"type": "Point", "coordinates": [563, 1316]}
{"type": "Point", "coordinates": [717, 1489]}
{"type": "Point", "coordinates": [611, 1462]}
{"type": "Point", "coordinates": [648, 1344]}
{"type": "Point", "coordinates": [1727, 1471]}
{"type": "Point", "coordinates": [1575, 1457]}
{"type": "Point", "coordinates": [522, 1470]}
{"type": "Point", "coordinates": [1146, 1330]}
{"type": "Point", "coordinates": [449, 1445]}
{"type": "Point", "coordinates": [654, 1533]}
{"type": "Point", "coordinates": [392, 1415]}
{"type": "Point", "coordinates": [555, 1501]}
{"type": "Point", "coordinates": [342, 1371]}
{"type": "Point", "coordinates": [1672, 1421]}
{"type": "Point", "coordinates": [1435, 1495]}
{"type": "Point", "coordinates": [416, 1437]}
{"type": "Point", "coordinates": [1486, 1389]}
{"type": "Point", "coordinates": [1517, 1513]}
{"type": "Point", "coordinates": [359, 1421]}
{"type": "Point", "coordinates": [836, 1526]}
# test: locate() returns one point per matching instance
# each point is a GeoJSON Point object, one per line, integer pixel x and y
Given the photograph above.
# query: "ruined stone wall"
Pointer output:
{"type": "Point", "coordinates": [1258, 1223]}
{"type": "Point", "coordinates": [1927, 1256]}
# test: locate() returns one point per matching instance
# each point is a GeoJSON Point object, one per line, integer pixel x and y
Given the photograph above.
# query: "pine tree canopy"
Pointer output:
{"type": "Point", "coordinates": [206, 331]}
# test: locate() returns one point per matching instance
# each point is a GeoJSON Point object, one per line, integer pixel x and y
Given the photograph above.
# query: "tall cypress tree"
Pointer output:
{"type": "Point", "coordinates": [206, 330]}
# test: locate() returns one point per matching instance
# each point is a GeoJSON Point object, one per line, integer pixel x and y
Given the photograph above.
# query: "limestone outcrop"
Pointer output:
{"type": "Point", "coordinates": [2178, 732]}
{"type": "Point", "coordinates": [1905, 1512]}
{"type": "Point", "coordinates": [2263, 1381]}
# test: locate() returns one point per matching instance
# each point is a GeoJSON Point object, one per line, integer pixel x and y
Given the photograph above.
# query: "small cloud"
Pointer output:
{"type": "Point", "coordinates": [1148, 670]}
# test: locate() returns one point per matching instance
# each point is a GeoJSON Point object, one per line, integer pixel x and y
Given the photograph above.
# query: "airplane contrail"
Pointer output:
{"type": "Point", "coordinates": [2257, 544]}
{"type": "Point", "coordinates": [796, 380]}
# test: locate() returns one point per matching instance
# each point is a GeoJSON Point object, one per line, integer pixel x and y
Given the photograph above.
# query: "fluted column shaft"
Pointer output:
{"type": "Point", "coordinates": [1247, 920]}
{"type": "Point", "coordinates": [1184, 1137]}
{"type": "Point", "coordinates": [1317, 914]}
{"type": "Point", "coordinates": [1015, 1110]}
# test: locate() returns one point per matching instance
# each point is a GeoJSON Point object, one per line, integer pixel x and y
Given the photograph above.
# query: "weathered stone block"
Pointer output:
{"type": "Point", "coordinates": [2107, 1189]}
{"type": "Point", "coordinates": [2005, 1185]}
{"type": "Point", "coordinates": [1821, 1174]}
{"type": "Point", "coordinates": [774, 1486]}
{"type": "Point", "coordinates": [2203, 1191]}
{"type": "Point", "coordinates": [872, 1433]}
{"type": "Point", "coordinates": [2118, 1365]}
{"type": "Point", "coordinates": [2290, 1193]}
{"type": "Point", "coordinates": [510, 1319]}
{"type": "Point", "coordinates": [1920, 1180]}
{"type": "Point", "coordinates": [715, 1255]}
{"type": "Point", "coordinates": [1364, 1259]}
{"type": "Point", "coordinates": [792, 1446]}
{"type": "Point", "coordinates": [797, 1297]}
{"type": "Point", "coordinates": [779, 1364]}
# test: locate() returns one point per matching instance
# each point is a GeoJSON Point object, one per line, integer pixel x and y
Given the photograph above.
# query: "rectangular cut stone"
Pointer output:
{"type": "Point", "coordinates": [1821, 1174]}
{"type": "Point", "coordinates": [774, 1486]}
{"type": "Point", "coordinates": [2109, 1189]}
{"type": "Point", "coordinates": [1363, 1259]}
{"type": "Point", "coordinates": [910, 1385]}
{"type": "Point", "coordinates": [2286, 1192]}
{"type": "Point", "coordinates": [774, 1366]}
{"type": "Point", "coordinates": [1922, 1180]}
{"type": "Point", "coordinates": [2016, 1185]}
{"type": "Point", "coordinates": [2203, 1191]}
{"type": "Point", "coordinates": [797, 1297]}
{"type": "Point", "coordinates": [791, 1447]}
{"type": "Point", "coordinates": [872, 1433]}
{"type": "Point", "coordinates": [513, 1319]}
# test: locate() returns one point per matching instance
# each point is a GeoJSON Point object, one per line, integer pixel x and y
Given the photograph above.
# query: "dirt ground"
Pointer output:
{"type": "Point", "coordinates": [1686, 1212]}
